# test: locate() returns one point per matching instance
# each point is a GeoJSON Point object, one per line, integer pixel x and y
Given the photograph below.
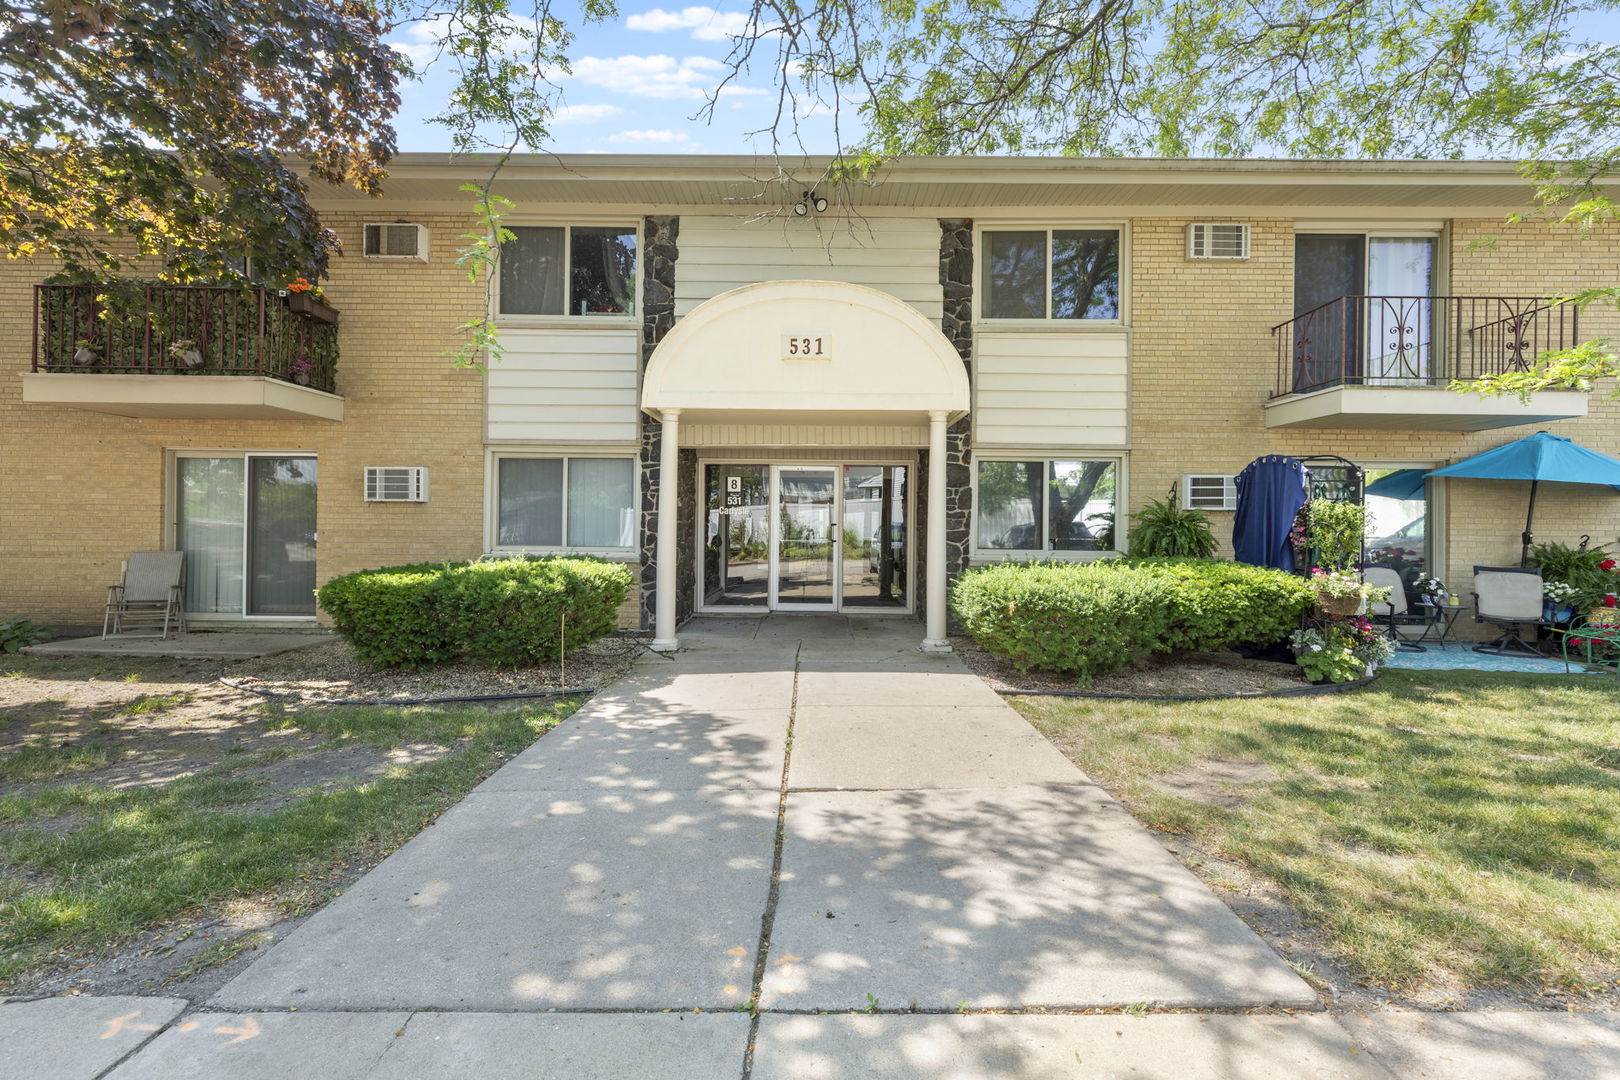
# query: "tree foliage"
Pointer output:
{"type": "Point", "coordinates": [225, 89]}
{"type": "Point", "coordinates": [187, 130]}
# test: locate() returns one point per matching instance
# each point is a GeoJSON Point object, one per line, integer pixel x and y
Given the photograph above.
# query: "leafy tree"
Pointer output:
{"type": "Point", "coordinates": [236, 91]}
{"type": "Point", "coordinates": [225, 88]}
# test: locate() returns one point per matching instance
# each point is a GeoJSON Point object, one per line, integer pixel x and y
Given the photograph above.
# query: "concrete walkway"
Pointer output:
{"type": "Point", "coordinates": [799, 850]}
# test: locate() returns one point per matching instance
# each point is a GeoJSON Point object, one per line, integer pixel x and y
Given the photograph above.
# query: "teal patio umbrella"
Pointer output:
{"type": "Point", "coordinates": [1400, 484]}
{"type": "Point", "coordinates": [1538, 457]}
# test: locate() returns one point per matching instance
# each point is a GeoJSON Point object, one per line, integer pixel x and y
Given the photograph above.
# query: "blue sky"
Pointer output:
{"type": "Point", "coordinates": [639, 82]}
{"type": "Point", "coordinates": [636, 87]}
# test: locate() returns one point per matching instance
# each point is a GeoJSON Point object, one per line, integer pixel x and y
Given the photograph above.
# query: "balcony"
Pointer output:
{"type": "Point", "coordinates": [184, 351]}
{"type": "Point", "coordinates": [1385, 362]}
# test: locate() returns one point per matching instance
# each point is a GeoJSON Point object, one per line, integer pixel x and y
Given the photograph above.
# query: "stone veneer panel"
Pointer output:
{"type": "Point", "coordinates": [660, 250]}
{"type": "Point", "coordinates": [956, 282]}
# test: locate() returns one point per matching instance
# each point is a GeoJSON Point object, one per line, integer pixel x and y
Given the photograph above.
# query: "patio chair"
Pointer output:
{"type": "Point", "coordinates": [1511, 597]}
{"type": "Point", "coordinates": [1596, 644]}
{"type": "Point", "coordinates": [152, 595]}
{"type": "Point", "coordinates": [1395, 611]}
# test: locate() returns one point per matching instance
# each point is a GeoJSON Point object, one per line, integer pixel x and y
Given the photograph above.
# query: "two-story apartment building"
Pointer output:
{"type": "Point", "coordinates": [769, 396]}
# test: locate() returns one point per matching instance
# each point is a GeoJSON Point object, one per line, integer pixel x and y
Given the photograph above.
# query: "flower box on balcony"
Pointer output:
{"type": "Point", "coordinates": [305, 304]}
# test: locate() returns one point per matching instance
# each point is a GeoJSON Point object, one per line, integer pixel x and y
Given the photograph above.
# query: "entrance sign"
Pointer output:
{"type": "Point", "coordinates": [806, 347]}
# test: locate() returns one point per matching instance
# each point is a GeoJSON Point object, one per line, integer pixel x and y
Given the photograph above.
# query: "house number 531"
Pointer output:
{"type": "Point", "coordinates": [806, 347]}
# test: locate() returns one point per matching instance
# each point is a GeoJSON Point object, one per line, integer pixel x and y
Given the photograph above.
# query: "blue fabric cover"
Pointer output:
{"type": "Point", "coordinates": [1270, 492]}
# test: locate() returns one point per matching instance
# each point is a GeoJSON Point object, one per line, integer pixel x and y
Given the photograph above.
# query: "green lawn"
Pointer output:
{"type": "Point", "coordinates": [84, 866]}
{"type": "Point", "coordinates": [1459, 827]}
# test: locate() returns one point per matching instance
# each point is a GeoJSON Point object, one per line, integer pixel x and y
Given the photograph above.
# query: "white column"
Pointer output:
{"type": "Point", "coordinates": [935, 640]}
{"type": "Point", "coordinates": [668, 503]}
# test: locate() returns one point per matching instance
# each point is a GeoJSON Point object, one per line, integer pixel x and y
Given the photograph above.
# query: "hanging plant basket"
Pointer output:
{"type": "Point", "coordinates": [305, 304]}
{"type": "Point", "coordinates": [1338, 605]}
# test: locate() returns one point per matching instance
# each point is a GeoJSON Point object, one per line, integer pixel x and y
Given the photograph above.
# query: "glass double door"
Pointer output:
{"type": "Point", "coordinates": [804, 537]}
{"type": "Point", "coordinates": [247, 525]}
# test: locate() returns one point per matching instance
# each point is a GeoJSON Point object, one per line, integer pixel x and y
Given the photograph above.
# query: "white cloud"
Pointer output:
{"type": "Point", "coordinates": [655, 76]}
{"type": "Point", "coordinates": [584, 114]}
{"type": "Point", "coordinates": [658, 136]}
{"type": "Point", "coordinates": [423, 38]}
{"type": "Point", "coordinates": [706, 23]}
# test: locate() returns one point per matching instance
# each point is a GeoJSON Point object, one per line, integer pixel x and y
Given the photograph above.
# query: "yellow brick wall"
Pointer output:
{"type": "Point", "coordinates": [1203, 363]}
{"type": "Point", "coordinates": [81, 490]}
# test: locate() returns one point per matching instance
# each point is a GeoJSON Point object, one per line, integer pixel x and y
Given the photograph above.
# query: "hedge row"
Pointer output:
{"type": "Point", "coordinates": [497, 612]}
{"type": "Point", "coordinates": [1090, 618]}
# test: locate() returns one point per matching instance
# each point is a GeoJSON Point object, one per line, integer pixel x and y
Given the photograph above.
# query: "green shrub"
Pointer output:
{"type": "Point", "coordinates": [498, 612]}
{"type": "Point", "coordinates": [1087, 619]}
{"type": "Point", "coordinates": [19, 633]}
{"type": "Point", "coordinates": [1214, 604]}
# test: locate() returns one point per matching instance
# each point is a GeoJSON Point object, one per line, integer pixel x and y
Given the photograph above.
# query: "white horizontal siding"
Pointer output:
{"type": "Point", "coordinates": [899, 256]}
{"type": "Point", "coordinates": [1049, 388]}
{"type": "Point", "coordinates": [565, 385]}
{"type": "Point", "coordinates": [799, 435]}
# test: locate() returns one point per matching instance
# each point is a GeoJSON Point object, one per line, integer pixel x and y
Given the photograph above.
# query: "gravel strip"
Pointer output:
{"type": "Point", "coordinates": [333, 671]}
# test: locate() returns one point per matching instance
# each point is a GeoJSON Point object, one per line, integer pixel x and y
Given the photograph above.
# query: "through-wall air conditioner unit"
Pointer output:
{"type": "Point", "coordinates": [397, 240]}
{"type": "Point", "coordinates": [1208, 492]}
{"type": "Point", "coordinates": [1215, 240]}
{"type": "Point", "coordinates": [396, 483]}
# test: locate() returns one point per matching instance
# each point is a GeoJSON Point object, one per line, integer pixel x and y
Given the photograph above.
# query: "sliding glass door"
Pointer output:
{"type": "Point", "coordinates": [247, 525]}
{"type": "Point", "coordinates": [1363, 309]}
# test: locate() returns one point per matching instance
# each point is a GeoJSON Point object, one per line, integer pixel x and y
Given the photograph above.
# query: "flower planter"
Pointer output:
{"type": "Point", "coordinates": [189, 359]}
{"type": "Point", "coordinates": [84, 356]}
{"type": "Point", "coordinates": [300, 377]}
{"type": "Point", "coordinates": [1338, 605]}
{"type": "Point", "coordinates": [305, 304]}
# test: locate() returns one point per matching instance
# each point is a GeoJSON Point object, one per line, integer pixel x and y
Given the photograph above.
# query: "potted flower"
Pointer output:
{"type": "Point", "coordinates": [309, 299]}
{"type": "Point", "coordinates": [86, 352]}
{"type": "Point", "coordinates": [1560, 598]}
{"type": "Point", "coordinates": [299, 369]}
{"type": "Point", "coordinates": [1430, 590]}
{"type": "Point", "coordinates": [1338, 592]}
{"type": "Point", "coordinates": [186, 353]}
{"type": "Point", "coordinates": [1341, 650]}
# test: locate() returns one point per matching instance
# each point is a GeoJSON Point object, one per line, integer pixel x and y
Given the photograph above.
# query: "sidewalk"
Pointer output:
{"type": "Point", "coordinates": [794, 816]}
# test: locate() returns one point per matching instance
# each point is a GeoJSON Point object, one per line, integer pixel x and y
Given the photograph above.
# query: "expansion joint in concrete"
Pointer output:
{"type": "Point", "coordinates": [767, 922]}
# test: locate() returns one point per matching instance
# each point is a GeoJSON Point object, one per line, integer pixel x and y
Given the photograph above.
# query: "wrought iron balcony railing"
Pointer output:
{"type": "Point", "coordinates": [184, 330]}
{"type": "Point", "coordinates": [1417, 340]}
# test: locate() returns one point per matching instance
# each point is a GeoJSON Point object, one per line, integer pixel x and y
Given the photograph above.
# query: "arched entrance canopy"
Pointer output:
{"type": "Point", "coordinates": [802, 352]}
{"type": "Point", "coordinates": [807, 352]}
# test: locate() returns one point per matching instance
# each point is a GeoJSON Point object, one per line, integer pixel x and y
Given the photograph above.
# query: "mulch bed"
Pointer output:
{"type": "Point", "coordinates": [333, 671]}
{"type": "Point", "coordinates": [1170, 674]}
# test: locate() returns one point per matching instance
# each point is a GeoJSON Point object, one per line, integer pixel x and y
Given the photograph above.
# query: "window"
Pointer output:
{"type": "Point", "coordinates": [1051, 274]}
{"type": "Point", "coordinates": [576, 502]}
{"type": "Point", "coordinates": [1399, 519]}
{"type": "Point", "coordinates": [569, 270]}
{"type": "Point", "coordinates": [1046, 505]}
{"type": "Point", "coordinates": [1379, 330]}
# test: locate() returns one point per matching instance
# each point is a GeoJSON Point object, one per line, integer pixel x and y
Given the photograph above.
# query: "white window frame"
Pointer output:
{"type": "Point", "coordinates": [981, 285]}
{"type": "Point", "coordinates": [618, 322]}
{"type": "Point", "coordinates": [492, 502]}
{"type": "Point", "coordinates": [1121, 464]}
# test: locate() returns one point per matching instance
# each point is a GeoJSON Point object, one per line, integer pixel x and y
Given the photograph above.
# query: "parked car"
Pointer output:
{"type": "Point", "coordinates": [897, 549]}
{"type": "Point", "coordinates": [1026, 537]}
